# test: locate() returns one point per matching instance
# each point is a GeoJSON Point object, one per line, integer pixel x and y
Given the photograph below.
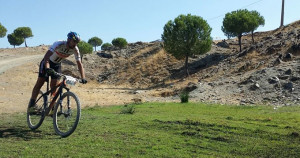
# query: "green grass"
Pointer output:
{"type": "Point", "coordinates": [161, 130]}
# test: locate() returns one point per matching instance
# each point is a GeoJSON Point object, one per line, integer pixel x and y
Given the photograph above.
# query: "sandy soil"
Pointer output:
{"type": "Point", "coordinates": [18, 74]}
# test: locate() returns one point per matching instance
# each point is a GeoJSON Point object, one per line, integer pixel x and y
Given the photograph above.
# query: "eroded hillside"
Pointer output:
{"type": "Point", "coordinates": [265, 72]}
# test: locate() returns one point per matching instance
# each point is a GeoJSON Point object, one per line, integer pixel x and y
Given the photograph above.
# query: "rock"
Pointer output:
{"type": "Point", "coordinates": [263, 71]}
{"type": "Point", "coordinates": [288, 86]}
{"type": "Point", "coordinates": [137, 100]}
{"type": "Point", "coordinates": [211, 84]}
{"type": "Point", "coordinates": [102, 77]}
{"type": "Point", "coordinates": [223, 44]}
{"type": "Point", "coordinates": [190, 87]}
{"type": "Point", "coordinates": [288, 72]}
{"type": "Point", "coordinates": [273, 80]}
{"type": "Point", "coordinates": [271, 50]}
{"type": "Point", "coordinates": [133, 92]}
{"type": "Point", "coordinates": [295, 49]}
{"type": "Point", "coordinates": [295, 78]}
{"type": "Point", "coordinates": [255, 87]}
{"type": "Point", "coordinates": [288, 57]}
{"type": "Point", "coordinates": [249, 80]}
{"type": "Point", "coordinates": [166, 94]}
{"type": "Point", "coordinates": [277, 61]}
{"type": "Point", "coordinates": [105, 55]}
{"type": "Point", "coordinates": [283, 77]}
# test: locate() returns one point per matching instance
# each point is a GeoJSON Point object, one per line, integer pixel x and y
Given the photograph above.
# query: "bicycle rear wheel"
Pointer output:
{"type": "Point", "coordinates": [66, 114]}
{"type": "Point", "coordinates": [35, 118]}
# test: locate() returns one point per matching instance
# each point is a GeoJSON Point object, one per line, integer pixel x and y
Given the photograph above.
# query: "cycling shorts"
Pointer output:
{"type": "Point", "coordinates": [55, 66]}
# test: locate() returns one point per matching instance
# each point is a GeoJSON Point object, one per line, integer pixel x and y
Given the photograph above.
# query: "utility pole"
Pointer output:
{"type": "Point", "coordinates": [282, 14]}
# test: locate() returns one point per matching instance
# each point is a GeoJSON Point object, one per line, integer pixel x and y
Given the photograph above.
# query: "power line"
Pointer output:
{"type": "Point", "coordinates": [237, 9]}
{"type": "Point", "coordinates": [252, 4]}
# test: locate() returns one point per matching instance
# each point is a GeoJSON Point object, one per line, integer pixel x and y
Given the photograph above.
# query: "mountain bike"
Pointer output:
{"type": "Point", "coordinates": [66, 111]}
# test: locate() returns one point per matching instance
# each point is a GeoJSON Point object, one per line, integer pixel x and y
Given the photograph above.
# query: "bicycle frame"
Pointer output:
{"type": "Point", "coordinates": [60, 86]}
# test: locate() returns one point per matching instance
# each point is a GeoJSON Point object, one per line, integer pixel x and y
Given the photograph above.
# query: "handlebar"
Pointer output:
{"type": "Point", "coordinates": [69, 79]}
{"type": "Point", "coordinates": [72, 80]}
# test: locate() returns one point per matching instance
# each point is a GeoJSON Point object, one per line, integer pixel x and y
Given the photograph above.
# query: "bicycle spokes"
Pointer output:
{"type": "Point", "coordinates": [36, 113]}
{"type": "Point", "coordinates": [67, 114]}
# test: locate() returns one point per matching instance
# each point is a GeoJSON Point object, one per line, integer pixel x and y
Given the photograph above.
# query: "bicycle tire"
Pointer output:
{"type": "Point", "coordinates": [35, 120]}
{"type": "Point", "coordinates": [64, 121]}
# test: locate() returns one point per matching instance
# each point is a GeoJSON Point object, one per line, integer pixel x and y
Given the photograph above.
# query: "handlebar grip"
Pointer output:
{"type": "Point", "coordinates": [83, 81]}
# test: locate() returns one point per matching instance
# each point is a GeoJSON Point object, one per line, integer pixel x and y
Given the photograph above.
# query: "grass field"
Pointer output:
{"type": "Point", "coordinates": [161, 130]}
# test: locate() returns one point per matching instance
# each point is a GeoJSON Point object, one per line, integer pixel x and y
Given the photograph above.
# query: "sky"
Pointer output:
{"type": "Point", "coordinates": [134, 20]}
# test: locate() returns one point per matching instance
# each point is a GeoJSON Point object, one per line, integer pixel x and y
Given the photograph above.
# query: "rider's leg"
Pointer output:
{"type": "Point", "coordinates": [39, 83]}
{"type": "Point", "coordinates": [53, 83]}
{"type": "Point", "coordinates": [36, 89]}
{"type": "Point", "coordinates": [55, 79]}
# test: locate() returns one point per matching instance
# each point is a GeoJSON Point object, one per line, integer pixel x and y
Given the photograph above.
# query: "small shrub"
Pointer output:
{"type": "Point", "coordinates": [184, 97]}
{"type": "Point", "coordinates": [128, 109]}
{"type": "Point", "coordinates": [85, 48]}
{"type": "Point", "coordinates": [106, 46]}
{"type": "Point", "coordinates": [95, 41]}
{"type": "Point", "coordinates": [119, 42]}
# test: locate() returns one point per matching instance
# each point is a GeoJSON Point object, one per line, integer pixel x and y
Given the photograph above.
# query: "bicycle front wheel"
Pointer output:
{"type": "Point", "coordinates": [36, 114]}
{"type": "Point", "coordinates": [66, 114]}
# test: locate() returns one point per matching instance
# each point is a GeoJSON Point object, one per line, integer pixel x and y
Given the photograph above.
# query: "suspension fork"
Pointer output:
{"type": "Point", "coordinates": [60, 100]}
{"type": "Point", "coordinates": [46, 95]}
{"type": "Point", "coordinates": [68, 99]}
{"type": "Point", "coordinates": [60, 91]}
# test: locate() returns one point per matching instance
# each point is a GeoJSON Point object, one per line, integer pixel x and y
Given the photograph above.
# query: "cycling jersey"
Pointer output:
{"type": "Point", "coordinates": [60, 52]}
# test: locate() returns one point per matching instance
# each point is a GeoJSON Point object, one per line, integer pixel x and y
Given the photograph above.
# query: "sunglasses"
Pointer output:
{"type": "Point", "coordinates": [75, 39]}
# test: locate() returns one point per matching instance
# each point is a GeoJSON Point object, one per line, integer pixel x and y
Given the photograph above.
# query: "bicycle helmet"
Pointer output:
{"type": "Point", "coordinates": [75, 36]}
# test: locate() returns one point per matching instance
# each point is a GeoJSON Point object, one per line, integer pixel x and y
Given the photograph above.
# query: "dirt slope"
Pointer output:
{"type": "Point", "coordinates": [223, 75]}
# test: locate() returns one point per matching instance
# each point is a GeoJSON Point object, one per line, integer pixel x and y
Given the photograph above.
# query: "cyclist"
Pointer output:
{"type": "Point", "coordinates": [52, 62]}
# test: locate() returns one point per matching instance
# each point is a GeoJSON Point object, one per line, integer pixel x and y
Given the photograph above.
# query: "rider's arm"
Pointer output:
{"type": "Point", "coordinates": [46, 58]}
{"type": "Point", "coordinates": [79, 63]}
{"type": "Point", "coordinates": [81, 70]}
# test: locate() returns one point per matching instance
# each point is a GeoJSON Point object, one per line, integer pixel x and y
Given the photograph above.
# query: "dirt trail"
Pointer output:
{"type": "Point", "coordinates": [17, 78]}
{"type": "Point", "coordinates": [11, 63]}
